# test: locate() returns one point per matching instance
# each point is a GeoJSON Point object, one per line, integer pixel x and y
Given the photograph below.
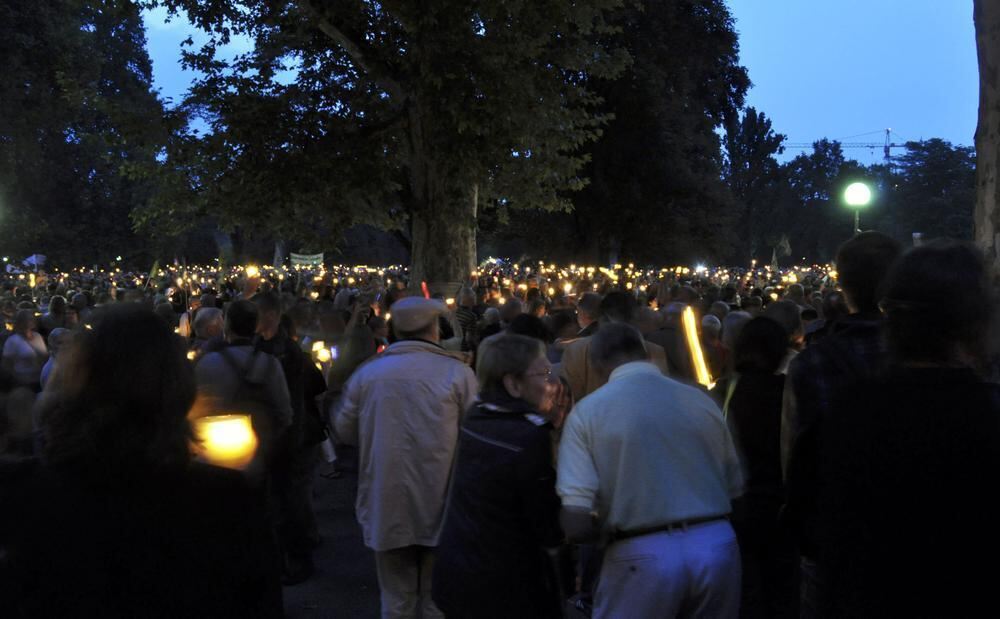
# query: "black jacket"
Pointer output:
{"type": "Point", "coordinates": [908, 517]}
{"type": "Point", "coordinates": [79, 543]}
{"type": "Point", "coordinates": [503, 512]}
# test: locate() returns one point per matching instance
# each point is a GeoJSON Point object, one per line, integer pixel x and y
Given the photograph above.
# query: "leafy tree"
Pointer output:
{"type": "Point", "coordinates": [656, 191]}
{"type": "Point", "coordinates": [394, 113]}
{"type": "Point", "coordinates": [78, 117]}
{"type": "Point", "coordinates": [933, 190]}
{"type": "Point", "coordinates": [814, 217]}
{"type": "Point", "coordinates": [755, 177]}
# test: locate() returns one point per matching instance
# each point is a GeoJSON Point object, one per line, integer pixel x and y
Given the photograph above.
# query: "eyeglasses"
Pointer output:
{"type": "Point", "coordinates": [547, 373]}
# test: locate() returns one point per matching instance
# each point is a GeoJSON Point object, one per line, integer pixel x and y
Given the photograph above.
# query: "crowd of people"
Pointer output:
{"type": "Point", "coordinates": [538, 442]}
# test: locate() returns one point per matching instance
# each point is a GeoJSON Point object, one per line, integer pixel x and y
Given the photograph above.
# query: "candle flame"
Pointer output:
{"type": "Point", "coordinates": [226, 440]}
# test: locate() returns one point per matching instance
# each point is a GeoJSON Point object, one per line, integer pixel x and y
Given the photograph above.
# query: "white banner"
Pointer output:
{"type": "Point", "coordinates": [306, 260]}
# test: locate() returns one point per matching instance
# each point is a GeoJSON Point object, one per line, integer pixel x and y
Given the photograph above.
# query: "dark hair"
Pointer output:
{"type": "Point", "coordinates": [531, 326]}
{"type": "Point", "coordinates": [617, 306]}
{"type": "Point", "coordinates": [128, 424]}
{"type": "Point", "coordinates": [241, 318]}
{"type": "Point", "coordinates": [862, 265]}
{"type": "Point", "coordinates": [938, 297]}
{"type": "Point", "coordinates": [760, 346]}
{"type": "Point", "coordinates": [57, 305]}
{"type": "Point", "coordinates": [267, 302]}
{"type": "Point", "coordinates": [560, 320]}
{"type": "Point", "coordinates": [615, 344]}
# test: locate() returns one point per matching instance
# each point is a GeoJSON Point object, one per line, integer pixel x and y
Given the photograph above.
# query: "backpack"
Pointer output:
{"type": "Point", "coordinates": [251, 398]}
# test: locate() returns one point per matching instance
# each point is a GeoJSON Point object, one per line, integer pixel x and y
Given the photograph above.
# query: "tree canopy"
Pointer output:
{"type": "Point", "coordinates": [78, 119]}
{"type": "Point", "coordinates": [407, 114]}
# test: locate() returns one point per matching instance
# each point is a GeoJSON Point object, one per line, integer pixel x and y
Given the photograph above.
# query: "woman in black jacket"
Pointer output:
{"type": "Point", "coordinates": [503, 509]}
{"type": "Point", "coordinates": [117, 520]}
{"type": "Point", "coordinates": [753, 411]}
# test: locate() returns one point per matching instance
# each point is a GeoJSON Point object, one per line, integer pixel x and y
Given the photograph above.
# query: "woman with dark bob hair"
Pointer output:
{"type": "Point", "coordinates": [908, 512]}
{"type": "Point", "coordinates": [503, 511]}
{"type": "Point", "coordinates": [116, 520]}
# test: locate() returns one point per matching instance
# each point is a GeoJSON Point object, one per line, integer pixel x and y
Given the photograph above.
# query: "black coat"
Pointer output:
{"type": "Point", "coordinates": [909, 520]}
{"type": "Point", "coordinates": [503, 512]}
{"type": "Point", "coordinates": [192, 543]}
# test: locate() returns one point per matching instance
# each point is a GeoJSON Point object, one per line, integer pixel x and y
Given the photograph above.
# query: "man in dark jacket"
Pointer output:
{"type": "Point", "coordinates": [852, 353]}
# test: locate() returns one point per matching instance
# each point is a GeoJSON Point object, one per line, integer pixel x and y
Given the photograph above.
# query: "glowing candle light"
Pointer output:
{"type": "Point", "coordinates": [697, 357]}
{"type": "Point", "coordinates": [226, 440]}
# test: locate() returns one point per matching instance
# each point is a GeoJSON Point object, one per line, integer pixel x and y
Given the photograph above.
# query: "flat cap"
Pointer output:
{"type": "Point", "coordinates": [415, 313]}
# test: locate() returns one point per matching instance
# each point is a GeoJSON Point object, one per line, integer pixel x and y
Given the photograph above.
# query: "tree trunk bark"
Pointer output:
{"type": "Point", "coordinates": [987, 214]}
{"type": "Point", "coordinates": [444, 245]}
{"type": "Point", "coordinates": [443, 216]}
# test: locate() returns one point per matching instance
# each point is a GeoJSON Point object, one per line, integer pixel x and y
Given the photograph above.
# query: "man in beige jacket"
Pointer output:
{"type": "Point", "coordinates": [403, 409]}
{"type": "Point", "coordinates": [583, 378]}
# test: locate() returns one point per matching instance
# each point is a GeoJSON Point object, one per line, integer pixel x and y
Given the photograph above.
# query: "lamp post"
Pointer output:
{"type": "Point", "coordinates": [857, 196]}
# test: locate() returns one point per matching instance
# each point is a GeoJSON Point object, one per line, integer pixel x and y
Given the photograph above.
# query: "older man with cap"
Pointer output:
{"type": "Point", "coordinates": [403, 409]}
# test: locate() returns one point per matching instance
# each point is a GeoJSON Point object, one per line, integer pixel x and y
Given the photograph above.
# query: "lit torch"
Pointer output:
{"type": "Point", "coordinates": [694, 345]}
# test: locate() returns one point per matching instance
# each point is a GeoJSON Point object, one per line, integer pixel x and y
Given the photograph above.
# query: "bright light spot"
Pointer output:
{"type": "Point", "coordinates": [857, 194]}
{"type": "Point", "coordinates": [227, 440]}
{"type": "Point", "coordinates": [252, 271]}
{"type": "Point", "coordinates": [701, 268]}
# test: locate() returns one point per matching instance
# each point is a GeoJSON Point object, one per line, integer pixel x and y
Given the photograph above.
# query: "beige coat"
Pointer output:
{"type": "Point", "coordinates": [581, 374]}
{"type": "Point", "coordinates": [403, 409]}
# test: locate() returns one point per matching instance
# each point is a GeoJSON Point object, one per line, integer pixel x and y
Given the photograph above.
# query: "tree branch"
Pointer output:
{"type": "Point", "coordinates": [381, 75]}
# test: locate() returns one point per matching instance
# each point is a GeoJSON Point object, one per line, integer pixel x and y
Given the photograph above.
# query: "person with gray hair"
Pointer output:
{"type": "Point", "coordinates": [208, 323]}
{"type": "Point", "coordinates": [495, 533]}
{"type": "Point", "coordinates": [654, 460]}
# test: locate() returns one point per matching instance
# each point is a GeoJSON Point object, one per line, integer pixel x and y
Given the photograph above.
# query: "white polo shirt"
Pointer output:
{"type": "Point", "coordinates": [645, 450]}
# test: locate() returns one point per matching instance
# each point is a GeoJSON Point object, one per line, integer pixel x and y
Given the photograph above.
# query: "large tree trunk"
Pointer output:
{"type": "Point", "coordinates": [987, 215]}
{"type": "Point", "coordinates": [443, 215]}
{"type": "Point", "coordinates": [444, 245]}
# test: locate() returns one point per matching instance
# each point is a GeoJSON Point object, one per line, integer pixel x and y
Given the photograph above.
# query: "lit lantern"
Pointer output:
{"type": "Point", "coordinates": [226, 440]}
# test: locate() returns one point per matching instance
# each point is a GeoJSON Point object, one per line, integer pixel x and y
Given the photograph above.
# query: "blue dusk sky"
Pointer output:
{"type": "Point", "coordinates": [842, 69]}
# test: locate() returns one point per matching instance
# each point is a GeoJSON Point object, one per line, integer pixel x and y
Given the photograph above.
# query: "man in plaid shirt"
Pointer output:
{"type": "Point", "coordinates": [853, 352]}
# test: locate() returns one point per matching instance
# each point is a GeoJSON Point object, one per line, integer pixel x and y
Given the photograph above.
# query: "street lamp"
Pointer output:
{"type": "Point", "coordinates": [857, 196]}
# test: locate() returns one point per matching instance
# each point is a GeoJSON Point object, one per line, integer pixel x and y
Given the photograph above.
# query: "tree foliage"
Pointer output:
{"type": "Point", "coordinates": [78, 119]}
{"type": "Point", "coordinates": [400, 114]}
{"type": "Point", "coordinates": [655, 188]}
{"type": "Point", "coordinates": [753, 174]}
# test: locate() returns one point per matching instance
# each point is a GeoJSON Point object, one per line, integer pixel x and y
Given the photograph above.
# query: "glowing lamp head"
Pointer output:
{"type": "Point", "coordinates": [857, 195]}
{"type": "Point", "coordinates": [226, 440]}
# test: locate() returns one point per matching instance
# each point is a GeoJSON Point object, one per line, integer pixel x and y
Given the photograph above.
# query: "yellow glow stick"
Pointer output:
{"type": "Point", "coordinates": [694, 345]}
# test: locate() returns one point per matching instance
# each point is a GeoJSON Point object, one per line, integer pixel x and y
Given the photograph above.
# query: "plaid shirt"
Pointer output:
{"type": "Point", "coordinates": [854, 352]}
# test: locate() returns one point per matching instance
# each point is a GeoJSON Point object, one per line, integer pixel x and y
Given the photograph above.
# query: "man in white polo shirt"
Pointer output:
{"type": "Point", "coordinates": [654, 459]}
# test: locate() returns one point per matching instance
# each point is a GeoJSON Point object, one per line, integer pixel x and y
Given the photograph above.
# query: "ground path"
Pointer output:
{"type": "Point", "coordinates": [344, 584]}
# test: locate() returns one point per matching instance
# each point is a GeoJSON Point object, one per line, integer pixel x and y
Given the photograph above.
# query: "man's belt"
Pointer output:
{"type": "Point", "coordinates": [680, 525]}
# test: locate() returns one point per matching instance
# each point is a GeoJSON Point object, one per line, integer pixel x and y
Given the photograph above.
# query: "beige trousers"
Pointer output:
{"type": "Point", "coordinates": [404, 581]}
